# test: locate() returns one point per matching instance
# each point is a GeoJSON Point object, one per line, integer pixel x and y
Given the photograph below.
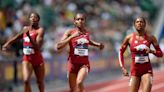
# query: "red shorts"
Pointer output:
{"type": "Point", "coordinates": [74, 68]}
{"type": "Point", "coordinates": [140, 69]}
{"type": "Point", "coordinates": [35, 59]}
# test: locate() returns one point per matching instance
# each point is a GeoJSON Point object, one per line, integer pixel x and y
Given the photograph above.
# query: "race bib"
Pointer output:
{"type": "Point", "coordinates": [28, 51]}
{"type": "Point", "coordinates": [81, 52]}
{"type": "Point", "coordinates": [141, 59]}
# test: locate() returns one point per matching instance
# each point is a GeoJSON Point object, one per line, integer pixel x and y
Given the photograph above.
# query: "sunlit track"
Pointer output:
{"type": "Point", "coordinates": [121, 84]}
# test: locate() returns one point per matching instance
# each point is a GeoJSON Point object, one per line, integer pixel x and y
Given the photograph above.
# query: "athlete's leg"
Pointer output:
{"type": "Point", "coordinates": [80, 78]}
{"type": "Point", "coordinates": [146, 82]}
{"type": "Point", "coordinates": [40, 74]}
{"type": "Point", "coordinates": [27, 71]}
{"type": "Point", "coordinates": [72, 81]}
{"type": "Point", "coordinates": [134, 84]}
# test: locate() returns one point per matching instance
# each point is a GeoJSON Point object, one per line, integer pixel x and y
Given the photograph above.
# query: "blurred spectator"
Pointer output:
{"type": "Point", "coordinates": [109, 20]}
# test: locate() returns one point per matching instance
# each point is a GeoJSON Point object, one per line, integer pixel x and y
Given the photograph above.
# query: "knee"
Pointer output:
{"type": "Point", "coordinates": [79, 83]}
{"type": "Point", "coordinates": [148, 82]}
{"type": "Point", "coordinates": [26, 81]}
{"type": "Point", "coordinates": [40, 82]}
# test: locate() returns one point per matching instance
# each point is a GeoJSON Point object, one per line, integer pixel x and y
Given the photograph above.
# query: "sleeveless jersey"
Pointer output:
{"type": "Point", "coordinates": [79, 48]}
{"type": "Point", "coordinates": [31, 54]}
{"type": "Point", "coordinates": [140, 59]}
{"type": "Point", "coordinates": [27, 45]}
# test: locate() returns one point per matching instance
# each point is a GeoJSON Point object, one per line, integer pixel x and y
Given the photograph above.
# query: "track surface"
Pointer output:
{"type": "Point", "coordinates": [121, 85]}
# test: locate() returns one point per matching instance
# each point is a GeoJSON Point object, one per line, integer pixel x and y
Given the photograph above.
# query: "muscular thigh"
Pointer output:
{"type": "Point", "coordinates": [82, 73]}
{"type": "Point", "coordinates": [134, 83]}
{"type": "Point", "coordinates": [147, 79]}
{"type": "Point", "coordinates": [26, 70]}
{"type": "Point", "coordinates": [39, 71]}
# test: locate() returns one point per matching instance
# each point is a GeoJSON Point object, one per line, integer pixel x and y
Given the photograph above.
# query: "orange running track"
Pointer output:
{"type": "Point", "coordinates": [121, 85]}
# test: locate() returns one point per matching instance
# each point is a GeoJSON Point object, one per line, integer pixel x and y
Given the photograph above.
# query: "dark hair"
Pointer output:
{"type": "Point", "coordinates": [35, 13]}
{"type": "Point", "coordinates": [140, 18]}
{"type": "Point", "coordinates": [81, 13]}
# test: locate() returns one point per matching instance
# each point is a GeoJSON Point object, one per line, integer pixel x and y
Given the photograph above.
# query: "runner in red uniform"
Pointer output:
{"type": "Point", "coordinates": [78, 39]}
{"type": "Point", "coordinates": [32, 59]}
{"type": "Point", "coordinates": [141, 69]}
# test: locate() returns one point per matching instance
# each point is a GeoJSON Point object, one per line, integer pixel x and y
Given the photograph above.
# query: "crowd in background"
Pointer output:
{"type": "Point", "coordinates": [108, 20]}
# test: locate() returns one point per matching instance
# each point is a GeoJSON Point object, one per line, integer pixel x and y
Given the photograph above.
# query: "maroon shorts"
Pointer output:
{"type": "Point", "coordinates": [34, 59]}
{"type": "Point", "coordinates": [140, 69]}
{"type": "Point", "coordinates": [74, 68]}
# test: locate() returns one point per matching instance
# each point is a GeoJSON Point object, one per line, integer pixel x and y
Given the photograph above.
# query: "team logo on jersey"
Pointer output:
{"type": "Point", "coordinates": [82, 41]}
{"type": "Point", "coordinates": [84, 35]}
{"type": "Point", "coordinates": [144, 41]}
{"type": "Point", "coordinates": [149, 71]}
{"type": "Point", "coordinates": [31, 34]}
{"type": "Point", "coordinates": [141, 47]}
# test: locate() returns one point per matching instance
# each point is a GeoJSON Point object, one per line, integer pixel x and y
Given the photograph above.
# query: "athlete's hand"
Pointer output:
{"type": "Point", "coordinates": [5, 47]}
{"type": "Point", "coordinates": [125, 72]}
{"type": "Point", "coordinates": [148, 50]}
{"type": "Point", "coordinates": [101, 46]}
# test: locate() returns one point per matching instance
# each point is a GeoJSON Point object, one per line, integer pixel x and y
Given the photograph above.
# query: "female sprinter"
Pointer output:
{"type": "Point", "coordinates": [78, 39]}
{"type": "Point", "coordinates": [141, 69]}
{"type": "Point", "coordinates": [32, 36]}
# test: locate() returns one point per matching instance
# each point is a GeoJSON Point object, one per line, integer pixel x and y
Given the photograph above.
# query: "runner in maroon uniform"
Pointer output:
{"type": "Point", "coordinates": [141, 69]}
{"type": "Point", "coordinates": [78, 63]}
{"type": "Point", "coordinates": [32, 59]}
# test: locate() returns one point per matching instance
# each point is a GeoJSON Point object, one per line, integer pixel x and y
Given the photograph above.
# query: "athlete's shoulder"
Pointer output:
{"type": "Point", "coordinates": [25, 27]}
{"type": "Point", "coordinates": [70, 31]}
{"type": "Point", "coordinates": [41, 28]}
{"type": "Point", "coordinates": [150, 36]}
{"type": "Point", "coordinates": [130, 36]}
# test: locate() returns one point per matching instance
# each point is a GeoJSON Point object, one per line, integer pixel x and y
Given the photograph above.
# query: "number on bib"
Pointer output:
{"type": "Point", "coordinates": [28, 51]}
{"type": "Point", "coordinates": [81, 52]}
{"type": "Point", "coordinates": [141, 59]}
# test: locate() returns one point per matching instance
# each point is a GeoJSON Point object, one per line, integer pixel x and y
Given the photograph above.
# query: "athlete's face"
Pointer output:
{"type": "Point", "coordinates": [140, 24]}
{"type": "Point", "coordinates": [79, 20]}
{"type": "Point", "coordinates": [34, 19]}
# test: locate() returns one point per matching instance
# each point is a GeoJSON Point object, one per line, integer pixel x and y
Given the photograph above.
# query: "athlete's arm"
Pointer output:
{"type": "Point", "coordinates": [93, 43]}
{"type": "Point", "coordinates": [65, 40]}
{"type": "Point", "coordinates": [122, 50]}
{"type": "Point", "coordinates": [39, 39]}
{"type": "Point", "coordinates": [158, 51]}
{"type": "Point", "coordinates": [13, 39]}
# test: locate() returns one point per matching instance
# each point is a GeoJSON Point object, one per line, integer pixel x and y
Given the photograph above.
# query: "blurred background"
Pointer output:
{"type": "Point", "coordinates": [109, 22]}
